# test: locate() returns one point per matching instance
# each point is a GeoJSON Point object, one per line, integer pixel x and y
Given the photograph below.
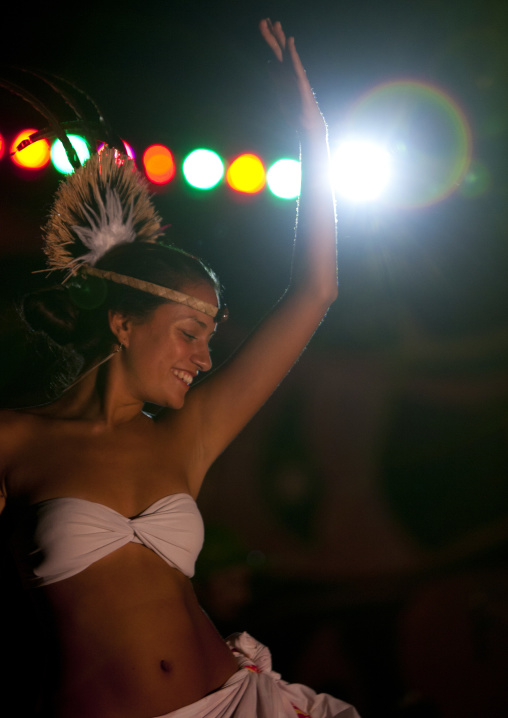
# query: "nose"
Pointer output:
{"type": "Point", "coordinates": [202, 359]}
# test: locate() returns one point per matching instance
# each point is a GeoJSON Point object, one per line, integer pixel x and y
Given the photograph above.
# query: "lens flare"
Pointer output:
{"type": "Point", "coordinates": [427, 134]}
{"type": "Point", "coordinates": [284, 178]}
{"type": "Point", "coordinates": [203, 169]}
{"type": "Point", "coordinates": [32, 157]}
{"type": "Point", "coordinates": [361, 170]}
{"type": "Point", "coordinates": [59, 155]}
{"type": "Point", "coordinates": [2, 147]}
{"type": "Point", "coordinates": [159, 164]}
{"type": "Point", "coordinates": [246, 174]}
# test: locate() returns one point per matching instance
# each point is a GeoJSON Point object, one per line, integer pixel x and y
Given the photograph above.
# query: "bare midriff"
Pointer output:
{"type": "Point", "coordinates": [133, 640]}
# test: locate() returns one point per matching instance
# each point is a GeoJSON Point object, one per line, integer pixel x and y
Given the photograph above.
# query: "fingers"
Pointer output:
{"type": "Point", "coordinates": [274, 36]}
{"type": "Point", "coordinates": [295, 93]}
{"type": "Point", "coordinates": [278, 33]}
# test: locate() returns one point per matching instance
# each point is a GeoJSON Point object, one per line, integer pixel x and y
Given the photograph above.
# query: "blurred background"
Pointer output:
{"type": "Point", "coordinates": [359, 524]}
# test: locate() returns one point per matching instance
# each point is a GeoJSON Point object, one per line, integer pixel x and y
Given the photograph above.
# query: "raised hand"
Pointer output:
{"type": "Point", "coordinates": [295, 93]}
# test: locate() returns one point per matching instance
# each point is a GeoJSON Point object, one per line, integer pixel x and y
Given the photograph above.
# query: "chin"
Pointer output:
{"type": "Point", "coordinates": [172, 403]}
{"type": "Point", "coordinates": [153, 405]}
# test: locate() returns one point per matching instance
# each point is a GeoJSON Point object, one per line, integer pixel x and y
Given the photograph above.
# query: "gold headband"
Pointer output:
{"type": "Point", "coordinates": [218, 314]}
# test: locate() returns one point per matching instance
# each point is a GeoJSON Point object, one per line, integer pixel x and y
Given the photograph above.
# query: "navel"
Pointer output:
{"type": "Point", "coordinates": [166, 666]}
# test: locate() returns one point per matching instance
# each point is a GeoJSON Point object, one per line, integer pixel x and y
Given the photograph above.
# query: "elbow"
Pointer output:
{"type": "Point", "coordinates": [325, 297]}
{"type": "Point", "coordinates": [330, 299]}
{"type": "Point", "coordinates": [334, 294]}
{"type": "Point", "coordinates": [328, 293]}
{"type": "Point", "coordinates": [317, 293]}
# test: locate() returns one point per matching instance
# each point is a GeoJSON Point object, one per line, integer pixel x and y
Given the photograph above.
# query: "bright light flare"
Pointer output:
{"type": "Point", "coordinates": [361, 170]}
{"type": "Point", "coordinates": [284, 178]}
{"type": "Point", "coordinates": [59, 155]}
{"type": "Point", "coordinates": [203, 169]}
{"type": "Point", "coordinates": [246, 174]}
{"type": "Point", "coordinates": [159, 164]}
{"type": "Point", "coordinates": [2, 147]}
{"type": "Point", "coordinates": [427, 132]}
{"type": "Point", "coordinates": [33, 157]}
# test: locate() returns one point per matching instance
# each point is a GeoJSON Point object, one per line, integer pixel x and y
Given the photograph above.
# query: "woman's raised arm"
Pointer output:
{"type": "Point", "coordinates": [221, 406]}
{"type": "Point", "coordinates": [315, 257]}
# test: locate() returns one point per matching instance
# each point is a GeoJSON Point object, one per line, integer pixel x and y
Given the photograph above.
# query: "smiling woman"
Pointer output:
{"type": "Point", "coordinates": [164, 354]}
{"type": "Point", "coordinates": [99, 497]}
{"type": "Point", "coordinates": [78, 314]}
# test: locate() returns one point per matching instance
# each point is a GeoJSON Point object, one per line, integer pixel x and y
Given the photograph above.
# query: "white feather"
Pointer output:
{"type": "Point", "coordinates": [107, 228]}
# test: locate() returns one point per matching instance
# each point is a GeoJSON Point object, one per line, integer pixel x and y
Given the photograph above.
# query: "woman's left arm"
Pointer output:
{"type": "Point", "coordinates": [221, 406]}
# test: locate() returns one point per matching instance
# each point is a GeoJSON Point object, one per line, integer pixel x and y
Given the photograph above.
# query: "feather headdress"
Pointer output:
{"type": "Point", "coordinates": [104, 203]}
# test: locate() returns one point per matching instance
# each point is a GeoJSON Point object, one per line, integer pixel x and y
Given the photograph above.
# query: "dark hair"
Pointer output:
{"type": "Point", "coordinates": [75, 315]}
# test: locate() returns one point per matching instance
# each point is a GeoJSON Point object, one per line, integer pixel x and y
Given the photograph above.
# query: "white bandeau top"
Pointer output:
{"type": "Point", "coordinates": [61, 537]}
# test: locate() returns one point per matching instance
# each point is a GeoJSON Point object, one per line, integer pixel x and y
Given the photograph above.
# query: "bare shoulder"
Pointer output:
{"type": "Point", "coordinates": [15, 430]}
{"type": "Point", "coordinates": [14, 425]}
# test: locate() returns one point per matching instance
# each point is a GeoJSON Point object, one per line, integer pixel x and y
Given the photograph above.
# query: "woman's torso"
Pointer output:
{"type": "Point", "coordinates": [130, 638]}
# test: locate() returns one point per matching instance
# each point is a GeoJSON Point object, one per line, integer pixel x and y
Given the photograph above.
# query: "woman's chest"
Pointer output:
{"type": "Point", "coordinates": [126, 468]}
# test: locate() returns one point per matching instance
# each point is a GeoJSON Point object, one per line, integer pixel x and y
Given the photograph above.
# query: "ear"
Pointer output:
{"type": "Point", "coordinates": [121, 326]}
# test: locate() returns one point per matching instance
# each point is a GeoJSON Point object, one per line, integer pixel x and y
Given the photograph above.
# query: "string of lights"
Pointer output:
{"type": "Point", "coordinates": [403, 143]}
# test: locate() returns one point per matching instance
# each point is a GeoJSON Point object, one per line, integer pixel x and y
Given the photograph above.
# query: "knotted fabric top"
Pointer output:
{"type": "Point", "coordinates": [61, 537]}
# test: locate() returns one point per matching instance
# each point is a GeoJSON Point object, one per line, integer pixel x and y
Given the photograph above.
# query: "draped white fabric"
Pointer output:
{"type": "Point", "coordinates": [70, 534]}
{"type": "Point", "coordinates": [255, 691]}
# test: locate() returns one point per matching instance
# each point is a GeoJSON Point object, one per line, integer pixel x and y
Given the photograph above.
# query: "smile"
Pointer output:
{"type": "Point", "coordinates": [183, 375]}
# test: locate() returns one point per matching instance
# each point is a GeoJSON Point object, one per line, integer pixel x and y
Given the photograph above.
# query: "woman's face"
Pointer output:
{"type": "Point", "coordinates": [164, 354]}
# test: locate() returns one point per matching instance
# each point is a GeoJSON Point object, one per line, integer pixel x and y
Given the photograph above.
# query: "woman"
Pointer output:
{"type": "Point", "coordinates": [128, 638]}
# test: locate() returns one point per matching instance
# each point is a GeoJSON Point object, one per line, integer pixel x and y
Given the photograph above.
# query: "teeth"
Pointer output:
{"type": "Point", "coordinates": [184, 376]}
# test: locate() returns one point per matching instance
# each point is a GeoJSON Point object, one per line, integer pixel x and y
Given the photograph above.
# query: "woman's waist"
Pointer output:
{"type": "Point", "coordinates": [129, 637]}
{"type": "Point", "coordinates": [149, 664]}
{"type": "Point", "coordinates": [175, 628]}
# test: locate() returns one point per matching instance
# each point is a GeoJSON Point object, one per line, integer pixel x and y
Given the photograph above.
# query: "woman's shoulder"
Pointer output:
{"type": "Point", "coordinates": [13, 430]}
{"type": "Point", "coordinates": [13, 425]}
{"type": "Point", "coordinates": [17, 420]}
{"type": "Point", "coordinates": [16, 428]}
{"type": "Point", "coordinates": [12, 421]}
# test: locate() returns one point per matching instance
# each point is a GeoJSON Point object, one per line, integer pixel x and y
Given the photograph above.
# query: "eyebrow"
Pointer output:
{"type": "Point", "coordinates": [203, 325]}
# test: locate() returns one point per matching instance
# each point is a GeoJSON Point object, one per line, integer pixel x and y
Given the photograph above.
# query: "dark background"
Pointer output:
{"type": "Point", "coordinates": [359, 524]}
